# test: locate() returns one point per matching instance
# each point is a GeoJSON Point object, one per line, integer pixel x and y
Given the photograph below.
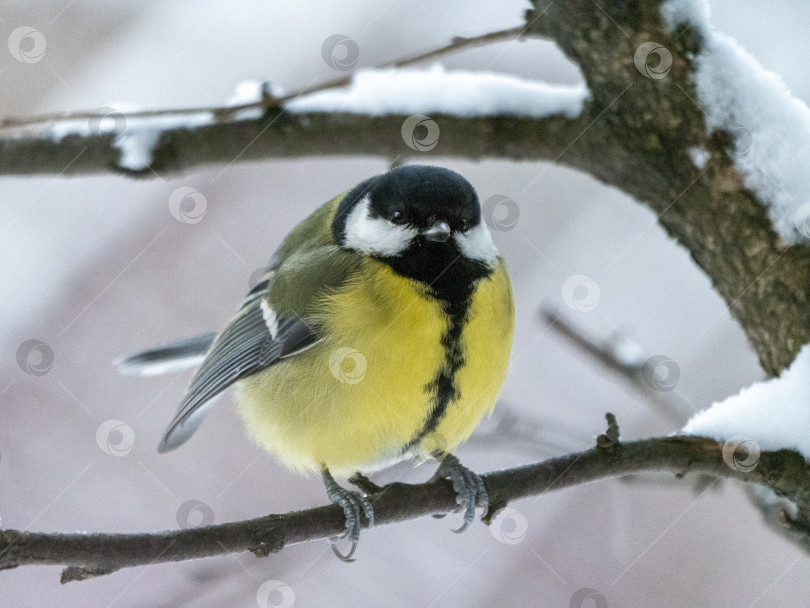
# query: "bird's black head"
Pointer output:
{"type": "Point", "coordinates": [425, 222]}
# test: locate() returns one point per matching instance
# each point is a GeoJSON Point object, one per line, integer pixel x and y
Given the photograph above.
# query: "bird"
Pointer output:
{"type": "Point", "coordinates": [380, 331]}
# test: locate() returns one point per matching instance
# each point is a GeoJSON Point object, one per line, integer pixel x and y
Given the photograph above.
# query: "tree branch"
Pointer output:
{"type": "Point", "coordinates": [625, 358]}
{"type": "Point", "coordinates": [458, 43]}
{"type": "Point", "coordinates": [285, 135]}
{"type": "Point", "coordinates": [643, 137]}
{"type": "Point", "coordinates": [24, 150]}
{"type": "Point", "coordinates": [86, 555]}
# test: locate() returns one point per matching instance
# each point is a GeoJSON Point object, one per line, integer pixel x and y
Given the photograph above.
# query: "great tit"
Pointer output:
{"type": "Point", "coordinates": [380, 331]}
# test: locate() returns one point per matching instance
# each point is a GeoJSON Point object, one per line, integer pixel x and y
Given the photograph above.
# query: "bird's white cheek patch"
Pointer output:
{"type": "Point", "coordinates": [375, 235]}
{"type": "Point", "coordinates": [477, 243]}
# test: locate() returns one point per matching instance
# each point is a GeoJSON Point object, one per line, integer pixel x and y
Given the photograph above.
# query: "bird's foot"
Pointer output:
{"type": "Point", "coordinates": [352, 503]}
{"type": "Point", "coordinates": [469, 487]}
{"type": "Point", "coordinates": [368, 487]}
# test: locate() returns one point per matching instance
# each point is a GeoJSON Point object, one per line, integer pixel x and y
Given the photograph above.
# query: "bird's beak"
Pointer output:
{"type": "Point", "coordinates": [439, 232]}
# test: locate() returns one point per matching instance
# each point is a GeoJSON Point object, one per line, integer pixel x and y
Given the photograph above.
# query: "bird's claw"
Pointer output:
{"type": "Point", "coordinates": [352, 504]}
{"type": "Point", "coordinates": [469, 487]}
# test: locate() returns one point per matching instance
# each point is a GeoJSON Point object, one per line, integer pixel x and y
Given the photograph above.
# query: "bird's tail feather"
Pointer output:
{"type": "Point", "coordinates": [167, 359]}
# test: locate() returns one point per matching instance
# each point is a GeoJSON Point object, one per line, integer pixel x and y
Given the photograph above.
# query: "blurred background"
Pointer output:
{"type": "Point", "coordinates": [98, 267]}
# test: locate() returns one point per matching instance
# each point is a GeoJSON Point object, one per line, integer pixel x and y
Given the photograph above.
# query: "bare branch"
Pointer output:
{"type": "Point", "coordinates": [670, 403]}
{"type": "Point", "coordinates": [86, 555]}
{"type": "Point", "coordinates": [458, 43]}
{"type": "Point", "coordinates": [626, 359]}
{"type": "Point", "coordinates": [286, 135]}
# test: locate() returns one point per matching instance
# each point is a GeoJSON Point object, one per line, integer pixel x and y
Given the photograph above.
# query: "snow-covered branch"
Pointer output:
{"type": "Point", "coordinates": [667, 139]}
{"type": "Point", "coordinates": [390, 112]}
{"type": "Point", "coordinates": [262, 122]}
{"type": "Point", "coordinates": [88, 555]}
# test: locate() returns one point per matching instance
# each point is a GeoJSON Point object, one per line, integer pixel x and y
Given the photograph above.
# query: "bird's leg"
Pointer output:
{"type": "Point", "coordinates": [468, 485]}
{"type": "Point", "coordinates": [352, 503]}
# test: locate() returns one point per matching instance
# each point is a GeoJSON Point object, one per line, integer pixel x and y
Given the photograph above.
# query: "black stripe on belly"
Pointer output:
{"type": "Point", "coordinates": [443, 385]}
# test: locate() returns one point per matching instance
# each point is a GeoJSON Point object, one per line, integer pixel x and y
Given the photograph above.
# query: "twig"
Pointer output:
{"type": "Point", "coordinates": [86, 555]}
{"type": "Point", "coordinates": [458, 43]}
{"type": "Point", "coordinates": [627, 359]}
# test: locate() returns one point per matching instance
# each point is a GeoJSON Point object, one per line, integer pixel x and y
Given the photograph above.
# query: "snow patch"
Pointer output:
{"type": "Point", "coordinates": [458, 93]}
{"type": "Point", "coordinates": [700, 156]}
{"type": "Point", "coordinates": [770, 128]}
{"type": "Point", "coordinates": [135, 136]}
{"type": "Point", "coordinates": [695, 13]}
{"type": "Point", "coordinates": [775, 413]}
{"type": "Point", "coordinates": [251, 91]}
{"type": "Point", "coordinates": [247, 91]}
{"type": "Point", "coordinates": [140, 136]}
{"type": "Point", "coordinates": [136, 149]}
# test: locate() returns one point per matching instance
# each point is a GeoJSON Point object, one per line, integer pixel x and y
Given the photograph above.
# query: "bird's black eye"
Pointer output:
{"type": "Point", "coordinates": [398, 217]}
{"type": "Point", "coordinates": [463, 226]}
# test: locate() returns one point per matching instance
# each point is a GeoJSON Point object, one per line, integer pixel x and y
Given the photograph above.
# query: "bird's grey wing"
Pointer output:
{"type": "Point", "coordinates": [260, 336]}
{"type": "Point", "coordinates": [254, 340]}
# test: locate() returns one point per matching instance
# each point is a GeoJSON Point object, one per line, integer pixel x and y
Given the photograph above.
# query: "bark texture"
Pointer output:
{"type": "Point", "coordinates": [88, 555]}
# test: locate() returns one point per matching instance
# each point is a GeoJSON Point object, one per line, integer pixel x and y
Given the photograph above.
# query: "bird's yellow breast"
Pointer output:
{"type": "Point", "coordinates": [366, 391]}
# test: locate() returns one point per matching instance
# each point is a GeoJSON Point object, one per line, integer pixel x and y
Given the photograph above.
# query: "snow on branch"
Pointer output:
{"type": "Point", "coordinates": [89, 555]}
{"type": "Point", "coordinates": [260, 122]}
{"type": "Point", "coordinates": [436, 91]}
{"type": "Point", "coordinates": [770, 128]}
{"type": "Point", "coordinates": [769, 415]}
{"type": "Point", "coordinates": [661, 141]}
{"type": "Point", "coordinates": [405, 94]}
